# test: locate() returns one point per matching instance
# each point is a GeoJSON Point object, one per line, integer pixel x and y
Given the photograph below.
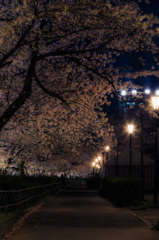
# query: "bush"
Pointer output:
{"type": "Point", "coordinates": [122, 191]}
{"type": "Point", "coordinates": [9, 182]}
{"type": "Point", "coordinates": [93, 182]}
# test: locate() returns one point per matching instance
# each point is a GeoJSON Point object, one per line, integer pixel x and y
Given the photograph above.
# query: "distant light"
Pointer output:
{"type": "Point", "coordinates": [147, 91]}
{"type": "Point", "coordinates": [134, 92]}
{"type": "Point", "coordinates": [157, 92]}
{"type": "Point", "coordinates": [130, 128]}
{"type": "Point", "coordinates": [107, 148]}
{"type": "Point", "coordinates": [155, 102]}
{"type": "Point", "coordinates": [123, 92]}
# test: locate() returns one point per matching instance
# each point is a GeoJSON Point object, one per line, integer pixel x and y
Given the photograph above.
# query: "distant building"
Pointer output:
{"type": "Point", "coordinates": [124, 167]}
{"type": "Point", "coordinates": [126, 104]}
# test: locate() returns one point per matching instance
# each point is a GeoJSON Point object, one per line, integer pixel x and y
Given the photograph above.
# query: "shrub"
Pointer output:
{"type": "Point", "coordinates": [122, 191]}
{"type": "Point", "coordinates": [93, 182]}
{"type": "Point", "coordinates": [10, 182]}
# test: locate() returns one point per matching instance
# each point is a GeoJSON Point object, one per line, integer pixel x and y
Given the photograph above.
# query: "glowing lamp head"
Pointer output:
{"type": "Point", "coordinates": [96, 160]}
{"type": "Point", "coordinates": [123, 92]}
{"type": "Point", "coordinates": [155, 102]}
{"type": "Point", "coordinates": [93, 164]}
{"type": "Point", "coordinates": [107, 148]}
{"type": "Point", "coordinates": [147, 91]}
{"type": "Point", "coordinates": [99, 158]}
{"type": "Point", "coordinates": [134, 92]}
{"type": "Point", "coordinates": [130, 128]}
{"type": "Point", "coordinates": [157, 92]}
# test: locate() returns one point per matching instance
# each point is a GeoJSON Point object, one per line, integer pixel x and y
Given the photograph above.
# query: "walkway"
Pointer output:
{"type": "Point", "coordinates": [82, 215]}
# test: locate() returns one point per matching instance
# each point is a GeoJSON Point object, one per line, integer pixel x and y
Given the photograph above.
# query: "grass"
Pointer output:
{"type": "Point", "coordinates": [8, 218]}
{"type": "Point", "coordinates": [5, 216]}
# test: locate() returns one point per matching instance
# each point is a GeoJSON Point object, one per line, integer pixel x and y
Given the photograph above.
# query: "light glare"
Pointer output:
{"type": "Point", "coordinates": [134, 92]}
{"type": "Point", "coordinates": [157, 92]}
{"type": "Point", "coordinates": [123, 92]}
{"type": "Point", "coordinates": [107, 148]}
{"type": "Point", "coordinates": [130, 128]}
{"type": "Point", "coordinates": [147, 91]}
{"type": "Point", "coordinates": [155, 102]}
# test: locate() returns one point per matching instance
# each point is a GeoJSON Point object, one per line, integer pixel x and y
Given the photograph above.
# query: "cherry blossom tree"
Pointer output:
{"type": "Point", "coordinates": [59, 63]}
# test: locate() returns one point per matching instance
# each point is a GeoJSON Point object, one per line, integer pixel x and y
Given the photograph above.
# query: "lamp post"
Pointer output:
{"type": "Point", "coordinates": [99, 158]}
{"type": "Point", "coordinates": [107, 150]}
{"type": "Point", "coordinates": [93, 164]}
{"type": "Point", "coordinates": [116, 158]}
{"type": "Point", "coordinates": [96, 164]}
{"type": "Point", "coordinates": [130, 129]}
{"type": "Point", "coordinates": [155, 102]}
{"type": "Point", "coordinates": [103, 160]}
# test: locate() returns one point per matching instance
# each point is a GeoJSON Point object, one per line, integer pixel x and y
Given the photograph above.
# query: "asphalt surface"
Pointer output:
{"type": "Point", "coordinates": [82, 215]}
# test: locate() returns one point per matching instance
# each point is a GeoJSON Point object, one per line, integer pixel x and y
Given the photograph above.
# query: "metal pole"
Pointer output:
{"type": "Point", "coordinates": [155, 190]}
{"type": "Point", "coordinates": [142, 156]}
{"type": "Point", "coordinates": [117, 158]}
{"type": "Point", "coordinates": [130, 150]}
{"type": "Point", "coordinates": [107, 156]}
{"type": "Point", "coordinates": [103, 173]}
{"type": "Point", "coordinates": [106, 168]}
{"type": "Point", "coordinates": [103, 160]}
{"type": "Point", "coordinates": [115, 164]}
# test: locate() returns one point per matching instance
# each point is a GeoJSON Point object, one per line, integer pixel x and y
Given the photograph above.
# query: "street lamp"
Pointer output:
{"type": "Point", "coordinates": [123, 92]}
{"type": "Point", "coordinates": [157, 92]}
{"type": "Point", "coordinates": [155, 102]}
{"type": "Point", "coordinates": [116, 157]}
{"type": "Point", "coordinates": [147, 91]}
{"type": "Point", "coordinates": [103, 159]}
{"type": "Point", "coordinates": [99, 158]}
{"type": "Point", "coordinates": [96, 164]}
{"type": "Point", "coordinates": [97, 168]}
{"type": "Point", "coordinates": [107, 150]}
{"type": "Point", "coordinates": [93, 164]}
{"type": "Point", "coordinates": [130, 129]}
{"type": "Point", "coordinates": [134, 92]}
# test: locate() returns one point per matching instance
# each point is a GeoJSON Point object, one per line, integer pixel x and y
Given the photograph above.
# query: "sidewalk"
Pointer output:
{"type": "Point", "coordinates": [82, 215]}
{"type": "Point", "coordinates": [150, 214]}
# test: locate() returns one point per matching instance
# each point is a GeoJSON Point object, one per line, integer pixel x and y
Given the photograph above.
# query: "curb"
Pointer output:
{"type": "Point", "coordinates": [145, 221]}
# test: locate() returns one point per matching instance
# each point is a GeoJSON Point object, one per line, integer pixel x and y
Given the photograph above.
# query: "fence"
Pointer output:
{"type": "Point", "coordinates": [17, 197]}
{"type": "Point", "coordinates": [124, 171]}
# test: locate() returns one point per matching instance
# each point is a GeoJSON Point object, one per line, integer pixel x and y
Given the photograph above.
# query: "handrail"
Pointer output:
{"type": "Point", "coordinates": [16, 197]}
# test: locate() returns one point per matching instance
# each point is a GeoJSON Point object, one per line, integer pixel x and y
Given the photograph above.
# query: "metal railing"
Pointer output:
{"type": "Point", "coordinates": [17, 197]}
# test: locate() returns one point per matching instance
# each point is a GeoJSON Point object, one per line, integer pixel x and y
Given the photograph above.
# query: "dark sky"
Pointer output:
{"type": "Point", "coordinates": [153, 7]}
{"type": "Point", "coordinates": [151, 82]}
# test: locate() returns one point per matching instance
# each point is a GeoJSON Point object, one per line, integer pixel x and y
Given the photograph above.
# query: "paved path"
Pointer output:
{"type": "Point", "coordinates": [82, 215]}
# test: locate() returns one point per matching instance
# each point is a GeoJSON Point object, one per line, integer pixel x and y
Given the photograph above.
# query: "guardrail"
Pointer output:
{"type": "Point", "coordinates": [16, 197]}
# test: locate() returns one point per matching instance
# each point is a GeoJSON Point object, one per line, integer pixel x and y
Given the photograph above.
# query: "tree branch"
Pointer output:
{"type": "Point", "coordinates": [24, 95]}
{"type": "Point", "coordinates": [13, 50]}
{"type": "Point", "coordinates": [95, 71]}
{"type": "Point", "coordinates": [49, 92]}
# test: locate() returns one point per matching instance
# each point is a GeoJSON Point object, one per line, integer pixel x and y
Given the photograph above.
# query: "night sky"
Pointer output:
{"type": "Point", "coordinates": [151, 82]}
